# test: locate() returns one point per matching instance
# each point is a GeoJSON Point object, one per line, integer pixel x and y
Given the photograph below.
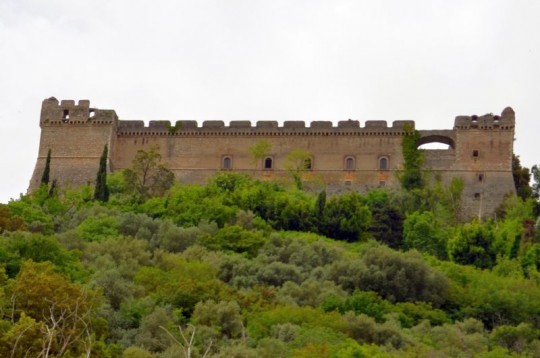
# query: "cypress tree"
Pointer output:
{"type": "Point", "coordinates": [101, 191]}
{"type": "Point", "coordinates": [53, 189]}
{"type": "Point", "coordinates": [46, 171]}
{"type": "Point", "coordinates": [320, 204]}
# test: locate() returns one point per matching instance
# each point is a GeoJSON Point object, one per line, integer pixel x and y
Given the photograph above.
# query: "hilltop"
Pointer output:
{"type": "Point", "coordinates": [247, 268]}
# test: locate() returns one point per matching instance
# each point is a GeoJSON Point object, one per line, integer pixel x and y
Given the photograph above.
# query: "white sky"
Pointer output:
{"type": "Point", "coordinates": [266, 60]}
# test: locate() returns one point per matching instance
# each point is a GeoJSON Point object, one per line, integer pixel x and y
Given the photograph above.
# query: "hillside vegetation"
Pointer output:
{"type": "Point", "coordinates": [244, 268]}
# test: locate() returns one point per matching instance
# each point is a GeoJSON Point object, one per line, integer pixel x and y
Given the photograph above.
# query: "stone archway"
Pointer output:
{"type": "Point", "coordinates": [428, 137]}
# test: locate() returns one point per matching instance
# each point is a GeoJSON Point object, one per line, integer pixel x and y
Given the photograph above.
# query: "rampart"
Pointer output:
{"type": "Point", "coordinates": [342, 157]}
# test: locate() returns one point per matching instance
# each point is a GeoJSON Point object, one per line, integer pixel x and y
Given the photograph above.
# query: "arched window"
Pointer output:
{"type": "Point", "coordinates": [383, 163]}
{"type": "Point", "coordinates": [227, 163]}
{"type": "Point", "coordinates": [349, 163]}
{"type": "Point", "coordinates": [268, 163]}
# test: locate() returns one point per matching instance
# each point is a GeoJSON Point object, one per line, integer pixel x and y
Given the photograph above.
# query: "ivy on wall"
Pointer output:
{"type": "Point", "coordinates": [413, 160]}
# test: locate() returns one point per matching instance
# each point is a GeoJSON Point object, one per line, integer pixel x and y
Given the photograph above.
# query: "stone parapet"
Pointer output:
{"type": "Point", "coordinates": [506, 121]}
{"type": "Point", "coordinates": [190, 127]}
{"type": "Point", "coordinates": [68, 113]}
{"type": "Point", "coordinates": [348, 155]}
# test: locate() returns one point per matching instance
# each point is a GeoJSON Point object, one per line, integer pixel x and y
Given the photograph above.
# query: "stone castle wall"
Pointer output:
{"type": "Point", "coordinates": [76, 135]}
{"type": "Point", "coordinates": [343, 157]}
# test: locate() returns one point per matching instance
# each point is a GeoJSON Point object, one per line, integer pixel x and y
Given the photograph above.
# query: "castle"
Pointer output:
{"type": "Point", "coordinates": [343, 157]}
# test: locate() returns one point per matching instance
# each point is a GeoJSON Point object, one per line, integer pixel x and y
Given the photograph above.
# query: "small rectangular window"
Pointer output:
{"type": "Point", "coordinates": [382, 184]}
{"type": "Point", "coordinates": [476, 196]}
{"type": "Point", "coordinates": [480, 177]}
{"type": "Point", "coordinates": [475, 153]}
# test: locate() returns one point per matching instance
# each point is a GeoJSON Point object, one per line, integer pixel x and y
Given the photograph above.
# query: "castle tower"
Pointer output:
{"type": "Point", "coordinates": [484, 147]}
{"type": "Point", "coordinates": [76, 135]}
{"type": "Point", "coordinates": [346, 157]}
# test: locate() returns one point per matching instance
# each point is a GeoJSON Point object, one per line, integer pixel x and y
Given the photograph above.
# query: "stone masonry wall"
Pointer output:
{"type": "Point", "coordinates": [343, 157]}
{"type": "Point", "coordinates": [76, 136]}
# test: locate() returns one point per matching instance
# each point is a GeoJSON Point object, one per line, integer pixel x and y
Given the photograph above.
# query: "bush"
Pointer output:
{"type": "Point", "coordinates": [402, 277]}
{"type": "Point", "coordinates": [236, 239]}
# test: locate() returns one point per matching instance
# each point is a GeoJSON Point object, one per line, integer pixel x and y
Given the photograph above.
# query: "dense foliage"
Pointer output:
{"type": "Point", "coordinates": [246, 268]}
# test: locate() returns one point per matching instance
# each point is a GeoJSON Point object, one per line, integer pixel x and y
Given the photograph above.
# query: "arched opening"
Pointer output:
{"type": "Point", "coordinates": [383, 163]}
{"type": "Point", "coordinates": [434, 146]}
{"type": "Point", "coordinates": [349, 163]}
{"type": "Point", "coordinates": [227, 163]}
{"type": "Point", "coordinates": [268, 163]}
{"type": "Point", "coordinates": [432, 142]}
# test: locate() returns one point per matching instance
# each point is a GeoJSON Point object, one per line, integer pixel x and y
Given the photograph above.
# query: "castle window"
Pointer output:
{"type": "Point", "coordinates": [480, 177]}
{"type": "Point", "coordinates": [308, 164]}
{"type": "Point", "coordinates": [65, 116]}
{"type": "Point", "coordinates": [476, 196]}
{"type": "Point", "coordinates": [383, 163]}
{"type": "Point", "coordinates": [92, 113]}
{"type": "Point", "coordinates": [349, 163]}
{"type": "Point", "coordinates": [268, 163]}
{"type": "Point", "coordinates": [475, 153]}
{"type": "Point", "coordinates": [382, 184]}
{"type": "Point", "coordinates": [227, 163]}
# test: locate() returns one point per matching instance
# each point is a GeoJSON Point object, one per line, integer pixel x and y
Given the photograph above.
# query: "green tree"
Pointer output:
{"type": "Point", "coordinates": [259, 150]}
{"type": "Point", "coordinates": [101, 192]}
{"type": "Point", "coordinates": [535, 170]}
{"type": "Point", "coordinates": [9, 222]}
{"type": "Point", "coordinates": [320, 204]}
{"type": "Point", "coordinates": [46, 172]}
{"type": "Point", "coordinates": [64, 311]}
{"type": "Point", "coordinates": [150, 335]}
{"type": "Point", "coordinates": [17, 247]}
{"type": "Point", "coordinates": [494, 299]}
{"type": "Point", "coordinates": [517, 339]}
{"type": "Point", "coordinates": [472, 245]}
{"type": "Point", "coordinates": [181, 283]}
{"type": "Point", "coordinates": [147, 175]}
{"type": "Point", "coordinates": [386, 218]}
{"type": "Point", "coordinates": [298, 161]}
{"type": "Point", "coordinates": [423, 232]}
{"type": "Point", "coordinates": [235, 238]}
{"type": "Point", "coordinates": [522, 178]}
{"type": "Point", "coordinates": [223, 316]}
{"type": "Point", "coordinates": [402, 277]}
{"type": "Point", "coordinates": [345, 218]}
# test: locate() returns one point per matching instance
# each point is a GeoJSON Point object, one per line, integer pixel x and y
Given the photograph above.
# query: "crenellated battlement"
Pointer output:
{"type": "Point", "coordinates": [67, 112]}
{"type": "Point", "coordinates": [488, 121]}
{"type": "Point", "coordinates": [191, 127]}
{"type": "Point", "coordinates": [343, 156]}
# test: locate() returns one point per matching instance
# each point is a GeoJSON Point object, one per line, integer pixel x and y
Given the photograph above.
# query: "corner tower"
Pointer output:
{"type": "Point", "coordinates": [76, 135]}
{"type": "Point", "coordinates": [484, 148]}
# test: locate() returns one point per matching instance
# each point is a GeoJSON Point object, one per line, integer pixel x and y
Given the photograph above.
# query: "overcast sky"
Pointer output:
{"type": "Point", "coordinates": [267, 60]}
